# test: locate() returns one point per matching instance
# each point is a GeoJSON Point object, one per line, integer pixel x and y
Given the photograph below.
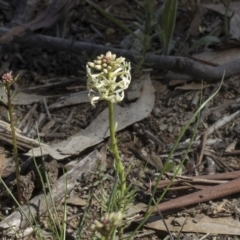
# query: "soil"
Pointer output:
{"type": "Point", "coordinates": [53, 74]}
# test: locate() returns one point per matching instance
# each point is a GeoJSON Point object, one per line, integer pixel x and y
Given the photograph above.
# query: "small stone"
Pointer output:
{"type": "Point", "coordinates": [156, 112]}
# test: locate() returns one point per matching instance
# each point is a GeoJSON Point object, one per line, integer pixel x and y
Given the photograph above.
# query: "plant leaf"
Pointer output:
{"type": "Point", "coordinates": [204, 40]}
{"type": "Point", "coordinates": [168, 24]}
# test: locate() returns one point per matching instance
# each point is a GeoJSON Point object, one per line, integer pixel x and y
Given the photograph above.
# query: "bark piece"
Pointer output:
{"type": "Point", "coordinates": [205, 224]}
{"type": "Point", "coordinates": [205, 195]}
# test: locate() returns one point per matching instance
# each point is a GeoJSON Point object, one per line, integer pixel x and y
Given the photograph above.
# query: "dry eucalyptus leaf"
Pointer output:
{"type": "Point", "coordinates": [98, 130]}
{"type": "Point", "coordinates": [226, 225]}
{"type": "Point", "coordinates": [21, 98]}
{"type": "Point", "coordinates": [134, 91]}
{"type": "Point", "coordinates": [75, 98]}
{"type": "Point", "coordinates": [219, 57]}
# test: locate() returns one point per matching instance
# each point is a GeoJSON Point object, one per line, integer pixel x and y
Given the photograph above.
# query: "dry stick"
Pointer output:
{"type": "Point", "coordinates": [194, 184]}
{"type": "Point", "coordinates": [183, 145]}
{"type": "Point", "coordinates": [203, 147]}
{"type": "Point", "coordinates": [148, 160]}
{"type": "Point", "coordinates": [171, 63]}
{"type": "Point", "coordinates": [46, 108]}
{"type": "Point", "coordinates": [205, 195]}
{"type": "Point", "coordinates": [22, 141]}
{"type": "Point", "coordinates": [218, 176]}
{"type": "Point", "coordinates": [32, 132]}
{"type": "Point", "coordinates": [215, 126]}
{"type": "Point", "coordinates": [205, 111]}
{"type": "Point", "coordinates": [218, 160]}
{"type": "Point", "coordinates": [200, 179]}
{"type": "Point", "coordinates": [233, 152]}
{"type": "Point", "coordinates": [195, 100]}
{"type": "Point", "coordinates": [29, 113]}
{"type": "Point", "coordinates": [38, 205]}
{"type": "Point", "coordinates": [222, 122]}
{"type": "Point", "coordinates": [188, 186]}
{"type": "Point", "coordinates": [154, 139]}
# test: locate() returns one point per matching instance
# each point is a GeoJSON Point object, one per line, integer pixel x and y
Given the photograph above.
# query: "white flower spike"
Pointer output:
{"type": "Point", "coordinates": [107, 78]}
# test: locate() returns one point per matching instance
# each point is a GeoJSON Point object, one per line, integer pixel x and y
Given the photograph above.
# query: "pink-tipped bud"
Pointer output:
{"type": "Point", "coordinates": [7, 77]}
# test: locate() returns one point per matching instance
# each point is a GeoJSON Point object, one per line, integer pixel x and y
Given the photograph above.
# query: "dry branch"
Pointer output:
{"type": "Point", "coordinates": [211, 193]}
{"type": "Point", "coordinates": [172, 63]}
{"type": "Point", "coordinates": [207, 179]}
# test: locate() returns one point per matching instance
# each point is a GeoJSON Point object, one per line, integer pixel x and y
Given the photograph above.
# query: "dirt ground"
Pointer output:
{"type": "Point", "coordinates": [47, 77]}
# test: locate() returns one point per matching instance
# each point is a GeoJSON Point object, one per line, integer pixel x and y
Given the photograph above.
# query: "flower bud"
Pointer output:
{"type": "Point", "coordinates": [107, 78]}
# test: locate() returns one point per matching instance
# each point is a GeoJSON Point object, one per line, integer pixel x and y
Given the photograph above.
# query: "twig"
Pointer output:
{"type": "Point", "coordinates": [195, 100]}
{"type": "Point", "coordinates": [46, 108]}
{"type": "Point", "coordinates": [30, 112]}
{"type": "Point", "coordinates": [205, 195]}
{"type": "Point", "coordinates": [232, 153]}
{"type": "Point", "coordinates": [195, 183]}
{"type": "Point", "coordinates": [222, 122]}
{"type": "Point", "coordinates": [183, 145]}
{"type": "Point", "coordinates": [217, 178]}
{"type": "Point", "coordinates": [205, 111]}
{"type": "Point", "coordinates": [203, 146]}
{"type": "Point", "coordinates": [138, 155]}
{"type": "Point", "coordinates": [155, 139]}
{"type": "Point", "coordinates": [171, 63]}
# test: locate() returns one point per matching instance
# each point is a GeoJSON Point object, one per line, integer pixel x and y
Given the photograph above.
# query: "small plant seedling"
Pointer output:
{"type": "Point", "coordinates": [7, 81]}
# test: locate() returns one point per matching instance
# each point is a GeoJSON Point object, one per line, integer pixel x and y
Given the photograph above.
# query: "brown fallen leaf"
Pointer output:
{"type": "Point", "coordinates": [22, 98]}
{"type": "Point", "coordinates": [219, 57]}
{"type": "Point", "coordinates": [98, 130]}
{"type": "Point", "coordinates": [204, 224]}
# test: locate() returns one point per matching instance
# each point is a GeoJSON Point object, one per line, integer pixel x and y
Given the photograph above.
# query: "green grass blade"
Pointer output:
{"type": "Point", "coordinates": [149, 212]}
{"type": "Point", "coordinates": [203, 41]}
{"type": "Point", "coordinates": [168, 24]}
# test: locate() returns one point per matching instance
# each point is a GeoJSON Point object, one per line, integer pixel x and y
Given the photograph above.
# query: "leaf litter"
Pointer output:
{"type": "Point", "coordinates": [67, 120]}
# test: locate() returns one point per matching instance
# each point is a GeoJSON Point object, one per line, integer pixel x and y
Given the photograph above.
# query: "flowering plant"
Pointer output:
{"type": "Point", "coordinates": [107, 78]}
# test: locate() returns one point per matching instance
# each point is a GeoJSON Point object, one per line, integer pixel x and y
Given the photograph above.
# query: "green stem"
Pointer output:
{"type": "Point", "coordinates": [15, 149]}
{"type": "Point", "coordinates": [118, 162]}
{"type": "Point", "coordinates": [226, 22]}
